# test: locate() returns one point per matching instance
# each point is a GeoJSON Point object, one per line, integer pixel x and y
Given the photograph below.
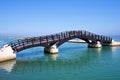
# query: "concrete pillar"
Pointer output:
{"type": "Point", "coordinates": [95, 45]}
{"type": "Point", "coordinates": [53, 50]}
{"type": "Point", "coordinates": [6, 53]}
{"type": "Point", "coordinates": [114, 43]}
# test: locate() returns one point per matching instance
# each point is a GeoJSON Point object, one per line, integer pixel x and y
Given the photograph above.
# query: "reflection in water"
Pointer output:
{"type": "Point", "coordinates": [8, 65]}
{"type": "Point", "coordinates": [48, 62]}
{"type": "Point", "coordinates": [98, 50]}
{"type": "Point", "coordinates": [52, 62]}
{"type": "Point", "coordinates": [73, 62]}
{"type": "Point", "coordinates": [95, 50]}
{"type": "Point", "coordinates": [113, 49]}
{"type": "Point", "coordinates": [54, 56]}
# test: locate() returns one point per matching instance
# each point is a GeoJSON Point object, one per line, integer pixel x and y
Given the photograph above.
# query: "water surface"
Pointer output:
{"type": "Point", "coordinates": [73, 62]}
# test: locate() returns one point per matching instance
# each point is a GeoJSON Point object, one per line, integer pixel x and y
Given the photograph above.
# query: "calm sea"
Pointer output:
{"type": "Point", "coordinates": [73, 62]}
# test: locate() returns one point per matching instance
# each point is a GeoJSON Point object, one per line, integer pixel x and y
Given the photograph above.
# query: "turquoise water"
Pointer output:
{"type": "Point", "coordinates": [73, 62]}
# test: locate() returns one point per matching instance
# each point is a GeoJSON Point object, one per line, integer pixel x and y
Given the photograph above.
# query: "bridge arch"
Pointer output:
{"type": "Point", "coordinates": [59, 43]}
{"type": "Point", "coordinates": [57, 39]}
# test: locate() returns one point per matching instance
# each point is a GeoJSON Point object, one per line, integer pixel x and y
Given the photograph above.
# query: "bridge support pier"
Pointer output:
{"type": "Point", "coordinates": [95, 45]}
{"type": "Point", "coordinates": [52, 50]}
{"type": "Point", "coordinates": [6, 53]}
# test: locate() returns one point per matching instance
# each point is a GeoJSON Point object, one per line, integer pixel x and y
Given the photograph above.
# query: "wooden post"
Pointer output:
{"type": "Point", "coordinates": [15, 47]}
{"type": "Point", "coordinates": [32, 42]}
{"type": "Point", "coordinates": [23, 44]}
{"type": "Point", "coordinates": [59, 37]}
{"type": "Point", "coordinates": [40, 40]}
{"type": "Point", "coordinates": [47, 39]}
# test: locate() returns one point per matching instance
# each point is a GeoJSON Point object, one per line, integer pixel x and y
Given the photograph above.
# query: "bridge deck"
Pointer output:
{"type": "Point", "coordinates": [57, 39]}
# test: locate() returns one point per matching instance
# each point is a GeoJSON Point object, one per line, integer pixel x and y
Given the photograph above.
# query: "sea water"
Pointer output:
{"type": "Point", "coordinates": [73, 62]}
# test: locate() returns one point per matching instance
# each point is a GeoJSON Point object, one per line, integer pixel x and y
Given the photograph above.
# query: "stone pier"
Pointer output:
{"type": "Point", "coordinates": [114, 43]}
{"type": "Point", "coordinates": [6, 53]}
{"type": "Point", "coordinates": [53, 50]}
{"type": "Point", "coordinates": [95, 45]}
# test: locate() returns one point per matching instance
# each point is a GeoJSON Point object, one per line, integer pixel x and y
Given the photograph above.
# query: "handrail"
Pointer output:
{"type": "Point", "coordinates": [60, 36]}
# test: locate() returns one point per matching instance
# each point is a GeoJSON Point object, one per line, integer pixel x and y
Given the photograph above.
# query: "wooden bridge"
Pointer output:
{"type": "Point", "coordinates": [53, 41]}
{"type": "Point", "coordinates": [58, 39]}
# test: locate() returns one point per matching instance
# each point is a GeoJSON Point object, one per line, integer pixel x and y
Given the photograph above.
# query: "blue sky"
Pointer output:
{"type": "Point", "coordinates": [40, 17]}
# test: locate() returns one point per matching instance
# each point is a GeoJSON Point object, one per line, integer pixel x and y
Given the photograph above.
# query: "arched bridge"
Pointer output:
{"type": "Point", "coordinates": [58, 39]}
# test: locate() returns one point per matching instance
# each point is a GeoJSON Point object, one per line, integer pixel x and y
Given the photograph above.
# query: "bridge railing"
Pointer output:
{"type": "Point", "coordinates": [60, 36]}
